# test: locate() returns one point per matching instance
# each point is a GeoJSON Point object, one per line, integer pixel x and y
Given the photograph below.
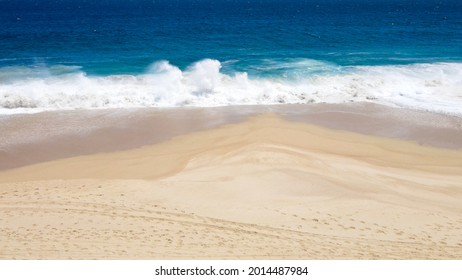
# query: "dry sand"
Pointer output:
{"type": "Point", "coordinates": [264, 188]}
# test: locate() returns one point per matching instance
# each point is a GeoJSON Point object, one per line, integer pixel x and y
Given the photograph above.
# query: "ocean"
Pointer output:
{"type": "Point", "coordinates": [83, 54]}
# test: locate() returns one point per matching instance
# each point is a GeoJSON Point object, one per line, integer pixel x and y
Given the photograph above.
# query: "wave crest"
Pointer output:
{"type": "Point", "coordinates": [435, 87]}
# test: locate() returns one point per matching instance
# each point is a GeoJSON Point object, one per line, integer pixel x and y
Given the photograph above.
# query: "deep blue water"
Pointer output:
{"type": "Point", "coordinates": [126, 36]}
{"type": "Point", "coordinates": [277, 39]}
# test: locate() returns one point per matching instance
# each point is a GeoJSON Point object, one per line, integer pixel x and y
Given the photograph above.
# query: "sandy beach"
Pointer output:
{"type": "Point", "coordinates": [322, 181]}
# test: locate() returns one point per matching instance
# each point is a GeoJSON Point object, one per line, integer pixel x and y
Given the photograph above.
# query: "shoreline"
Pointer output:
{"type": "Point", "coordinates": [262, 188]}
{"type": "Point", "coordinates": [35, 138]}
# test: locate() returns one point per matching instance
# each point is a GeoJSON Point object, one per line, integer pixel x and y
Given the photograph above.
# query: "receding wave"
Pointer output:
{"type": "Point", "coordinates": [433, 86]}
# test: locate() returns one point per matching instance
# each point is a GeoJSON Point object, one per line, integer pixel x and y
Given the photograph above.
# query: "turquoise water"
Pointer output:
{"type": "Point", "coordinates": [97, 54]}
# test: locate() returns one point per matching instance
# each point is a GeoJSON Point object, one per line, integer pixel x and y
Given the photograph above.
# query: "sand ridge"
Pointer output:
{"type": "Point", "coordinates": [171, 156]}
{"type": "Point", "coordinates": [264, 188]}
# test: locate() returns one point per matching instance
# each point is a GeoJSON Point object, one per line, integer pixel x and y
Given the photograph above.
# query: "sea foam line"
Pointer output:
{"type": "Point", "coordinates": [434, 87]}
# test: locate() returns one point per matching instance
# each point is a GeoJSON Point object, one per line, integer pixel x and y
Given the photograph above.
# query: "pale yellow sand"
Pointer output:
{"type": "Point", "coordinates": [265, 188]}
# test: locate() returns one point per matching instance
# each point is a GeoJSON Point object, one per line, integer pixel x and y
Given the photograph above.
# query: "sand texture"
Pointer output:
{"type": "Point", "coordinates": [263, 188]}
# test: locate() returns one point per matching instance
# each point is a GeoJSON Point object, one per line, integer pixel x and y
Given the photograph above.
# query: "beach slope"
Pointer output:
{"type": "Point", "coordinates": [263, 188]}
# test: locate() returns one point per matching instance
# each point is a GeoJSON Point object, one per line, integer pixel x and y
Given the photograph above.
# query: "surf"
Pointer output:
{"type": "Point", "coordinates": [433, 87]}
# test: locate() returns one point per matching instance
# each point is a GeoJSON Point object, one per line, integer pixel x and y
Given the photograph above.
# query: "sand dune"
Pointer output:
{"type": "Point", "coordinates": [264, 188]}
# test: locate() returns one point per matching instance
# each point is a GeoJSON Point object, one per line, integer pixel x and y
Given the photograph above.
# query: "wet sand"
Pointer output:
{"type": "Point", "coordinates": [276, 182]}
{"type": "Point", "coordinates": [28, 139]}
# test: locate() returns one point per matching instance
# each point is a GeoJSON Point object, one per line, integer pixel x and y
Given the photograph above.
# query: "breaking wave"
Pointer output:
{"type": "Point", "coordinates": [433, 86]}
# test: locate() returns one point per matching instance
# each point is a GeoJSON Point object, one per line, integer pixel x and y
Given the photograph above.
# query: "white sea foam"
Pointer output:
{"type": "Point", "coordinates": [434, 87]}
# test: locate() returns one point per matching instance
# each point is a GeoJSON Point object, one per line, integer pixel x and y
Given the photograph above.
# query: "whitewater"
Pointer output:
{"type": "Point", "coordinates": [435, 87]}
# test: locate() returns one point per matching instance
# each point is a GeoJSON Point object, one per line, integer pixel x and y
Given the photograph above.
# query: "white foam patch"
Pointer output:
{"type": "Point", "coordinates": [433, 87]}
